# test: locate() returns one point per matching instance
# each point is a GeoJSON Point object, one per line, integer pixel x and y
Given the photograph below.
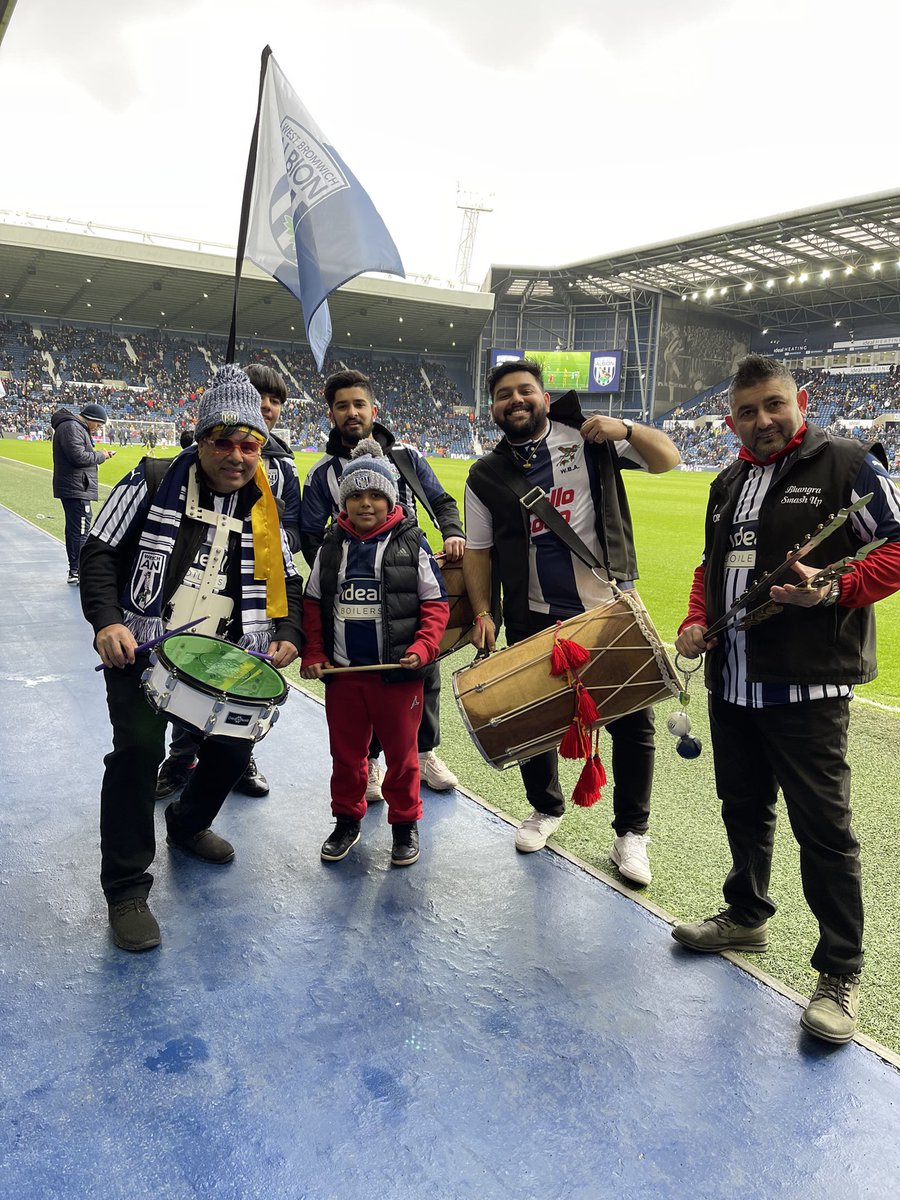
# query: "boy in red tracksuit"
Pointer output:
{"type": "Point", "coordinates": [375, 595]}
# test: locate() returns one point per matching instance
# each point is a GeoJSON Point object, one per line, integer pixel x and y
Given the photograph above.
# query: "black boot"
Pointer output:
{"type": "Point", "coordinates": [341, 840]}
{"type": "Point", "coordinates": [252, 782]}
{"type": "Point", "coordinates": [406, 844]}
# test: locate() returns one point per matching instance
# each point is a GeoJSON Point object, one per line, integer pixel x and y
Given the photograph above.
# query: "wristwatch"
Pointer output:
{"type": "Point", "coordinates": [629, 428]}
{"type": "Point", "coordinates": [831, 596]}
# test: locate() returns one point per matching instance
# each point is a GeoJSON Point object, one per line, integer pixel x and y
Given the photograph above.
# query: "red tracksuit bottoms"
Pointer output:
{"type": "Point", "coordinates": [355, 704]}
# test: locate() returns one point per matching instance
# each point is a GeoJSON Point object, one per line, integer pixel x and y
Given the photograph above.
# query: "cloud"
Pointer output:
{"type": "Point", "coordinates": [503, 33]}
{"type": "Point", "coordinates": [91, 44]}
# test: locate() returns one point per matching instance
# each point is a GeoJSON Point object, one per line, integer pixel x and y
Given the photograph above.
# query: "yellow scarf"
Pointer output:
{"type": "Point", "coordinates": [268, 562]}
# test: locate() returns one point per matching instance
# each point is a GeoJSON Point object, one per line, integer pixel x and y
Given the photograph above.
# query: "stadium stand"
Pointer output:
{"type": "Point", "coordinates": [864, 406]}
{"type": "Point", "coordinates": [146, 377]}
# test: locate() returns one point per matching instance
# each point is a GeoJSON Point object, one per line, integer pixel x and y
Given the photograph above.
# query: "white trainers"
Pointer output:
{"type": "Point", "coordinates": [532, 834]}
{"type": "Point", "coordinates": [436, 774]}
{"type": "Point", "coordinates": [629, 853]}
{"type": "Point", "coordinates": [373, 784]}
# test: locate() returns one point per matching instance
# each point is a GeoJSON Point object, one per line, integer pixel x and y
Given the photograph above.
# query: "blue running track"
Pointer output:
{"type": "Point", "coordinates": [481, 1025]}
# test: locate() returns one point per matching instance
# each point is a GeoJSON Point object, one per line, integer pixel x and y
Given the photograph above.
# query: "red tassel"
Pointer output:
{"type": "Point", "coordinates": [600, 770]}
{"type": "Point", "coordinates": [585, 706]}
{"type": "Point", "coordinates": [575, 743]}
{"type": "Point", "coordinates": [587, 790]}
{"type": "Point", "coordinates": [558, 663]}
{"type": "Point", "coordinates": [577, 655]}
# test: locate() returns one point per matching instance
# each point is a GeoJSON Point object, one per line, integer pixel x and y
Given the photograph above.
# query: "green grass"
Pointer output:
{"type": "Point", "coordinates": [689, 852]}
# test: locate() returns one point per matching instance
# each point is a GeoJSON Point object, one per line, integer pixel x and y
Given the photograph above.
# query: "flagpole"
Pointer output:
{"type": "Point", "coordinates": [245, 205]}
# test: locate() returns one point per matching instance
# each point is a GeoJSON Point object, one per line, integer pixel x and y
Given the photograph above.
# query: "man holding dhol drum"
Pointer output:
{"type": "Point", "coordinates": [577, 462]}
{"type": "Point", "coordinates": [780, 689]}
{"type": "Point", "coordinates": [195, 538]}
{"type": "Point", "coordinates": [352, 411]}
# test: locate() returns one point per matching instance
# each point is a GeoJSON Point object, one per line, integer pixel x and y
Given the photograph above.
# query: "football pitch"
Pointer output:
{"type": "Point", "coordinates": [689, 853]}
{"type": "Point", "coordinates": [667, 511]}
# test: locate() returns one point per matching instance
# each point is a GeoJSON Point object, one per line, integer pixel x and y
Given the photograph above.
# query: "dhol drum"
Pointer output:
{"type": "Point", "coordinates": [514, 708]}
{"type": "Point", "coordinates": [459, 631]}
{"type": "Point", "coordinates": [213, 686]}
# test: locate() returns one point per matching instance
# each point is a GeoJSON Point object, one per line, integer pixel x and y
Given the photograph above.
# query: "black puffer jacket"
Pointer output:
{"type": "Point", "coordinates": [75, 460]}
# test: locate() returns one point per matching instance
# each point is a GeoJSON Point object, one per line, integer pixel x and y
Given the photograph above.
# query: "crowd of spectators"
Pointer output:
{"type": "Point", "coordinates": [144, 378]}
{"type": "Point", "coordinates": [148, 377]}
{"type": "Point", "coordinates": [834, 402]}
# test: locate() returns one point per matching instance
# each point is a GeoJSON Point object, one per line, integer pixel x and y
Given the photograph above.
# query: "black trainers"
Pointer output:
{"type": "Point", "coordinates": [133, 925]}
{"type": "Point", "coordinates": [73, 579]}
{"type": "Point", "coordinates": [173, 775]}
{"type": "Point", "coordinates": [205, 844]}
{"type": "Point", "coordinates": [252, 782]}
{"type": "Point", "coordinates": [406, 844]}
{"type": "Point", "coordinates": [341, 840]}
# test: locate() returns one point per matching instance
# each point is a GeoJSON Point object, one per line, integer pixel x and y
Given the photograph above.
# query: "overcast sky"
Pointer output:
{"type": "Point", "coordinates": [596, 124]}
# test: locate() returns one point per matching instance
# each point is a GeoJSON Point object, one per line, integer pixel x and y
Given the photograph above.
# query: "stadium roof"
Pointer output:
{"type": "Point", "coordinates": [154, 282]}
{"type": "Point", "coordinates": [818, 266]}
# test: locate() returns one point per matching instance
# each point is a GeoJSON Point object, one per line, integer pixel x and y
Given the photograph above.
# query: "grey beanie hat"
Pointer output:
{"type": "Point", "coordinates": [368, 470]}
{"type": "Point", "coordinates": [230, 400]}
{"type": "Point", "coordinates": [95, 412]}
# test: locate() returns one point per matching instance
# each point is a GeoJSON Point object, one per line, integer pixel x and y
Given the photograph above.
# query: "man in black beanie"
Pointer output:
{"type": "Point", "coordinates": [75, 463]}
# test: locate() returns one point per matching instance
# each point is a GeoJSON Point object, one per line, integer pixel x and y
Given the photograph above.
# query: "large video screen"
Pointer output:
{"type": "Point", "coordinates": [581, 370]}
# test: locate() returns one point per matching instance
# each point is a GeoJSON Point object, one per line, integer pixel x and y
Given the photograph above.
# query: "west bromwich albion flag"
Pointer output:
{"type": "Point", "coordinates": [312, 224]}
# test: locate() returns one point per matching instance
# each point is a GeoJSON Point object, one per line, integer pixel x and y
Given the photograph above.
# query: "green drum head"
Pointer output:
{"type": "Point", "coordinates": [221, 667]}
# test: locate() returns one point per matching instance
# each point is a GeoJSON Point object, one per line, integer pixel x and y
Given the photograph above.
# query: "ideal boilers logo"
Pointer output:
{"type": "Point", "coordinates": [742, 555]}
{"type": "Point", "coordinates": [312, 175]}
{"type": "Point", "coordinates": [360, 600]}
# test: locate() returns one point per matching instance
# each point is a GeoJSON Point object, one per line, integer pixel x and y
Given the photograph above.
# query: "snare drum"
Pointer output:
{"type": "Point", "coordinates": [514, 708]}
{"type": "Point", "coordinates": [213, 686]}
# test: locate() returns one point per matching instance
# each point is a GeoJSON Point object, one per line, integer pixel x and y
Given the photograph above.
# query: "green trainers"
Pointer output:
{"type": "Point", "coordinates": [721, 932]}
{"type": "Point", "coordinates": [833, 1010]}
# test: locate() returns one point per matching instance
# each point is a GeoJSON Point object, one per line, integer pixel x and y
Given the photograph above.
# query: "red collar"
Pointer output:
{"type": "Point", "coordinates": [750, 457]}
{"type": "Point", "coordinates": [394, 517]}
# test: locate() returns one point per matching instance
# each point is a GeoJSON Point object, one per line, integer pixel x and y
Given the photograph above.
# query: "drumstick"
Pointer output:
{"type": "Point", "coordinates": [155, 641]}
{"type": "Point", "coordinates": [368, 667]}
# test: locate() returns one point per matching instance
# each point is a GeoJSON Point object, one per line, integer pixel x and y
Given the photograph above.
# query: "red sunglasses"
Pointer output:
{"type": "Point", "coordinates": [223, 446]}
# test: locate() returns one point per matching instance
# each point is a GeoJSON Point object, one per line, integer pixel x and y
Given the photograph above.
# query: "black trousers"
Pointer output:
{"type": "Point", "coordinates": [78, 522]}
{"type": "Point", "coordinates": [429, 737]}
{"type": "Point", "coordinates": [127, 795]}
{"type": "Point", "coordinates": [633, 753]}
{"type": "Point", "coordinates": [803, 749]}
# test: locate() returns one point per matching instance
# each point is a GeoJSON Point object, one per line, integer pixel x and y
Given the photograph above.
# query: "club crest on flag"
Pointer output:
{"type": "Point", "coordinates": [312, 172]}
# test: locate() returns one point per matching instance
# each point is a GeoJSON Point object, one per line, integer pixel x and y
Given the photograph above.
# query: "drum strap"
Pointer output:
{"type": "Point", "coordinates": [535, 500]}
{"type": "Point", "coordinates": [403, 462]}
{"type": "Point", "coordinates": [187, 601]}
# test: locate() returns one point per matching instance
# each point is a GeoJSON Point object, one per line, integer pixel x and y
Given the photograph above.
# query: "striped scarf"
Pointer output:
{"type": "Point", "coordinates": [142, 597]}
